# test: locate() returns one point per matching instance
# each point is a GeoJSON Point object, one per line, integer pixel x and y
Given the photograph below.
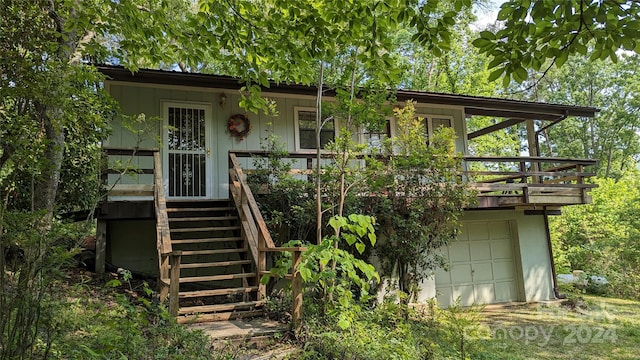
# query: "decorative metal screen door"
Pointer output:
{"type": "Point", "coordinates": [187, 155]}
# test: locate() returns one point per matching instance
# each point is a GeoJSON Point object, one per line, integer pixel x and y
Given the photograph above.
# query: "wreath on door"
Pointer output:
{"type": "Point", "coordinates": [239, 126]}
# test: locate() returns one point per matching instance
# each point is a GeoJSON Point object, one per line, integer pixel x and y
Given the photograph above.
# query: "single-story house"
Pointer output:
{"type": "Point", "coordinates": [183, 196]}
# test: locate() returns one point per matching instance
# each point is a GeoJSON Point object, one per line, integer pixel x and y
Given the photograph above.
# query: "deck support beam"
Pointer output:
{"type": "Point", "coordinates": [533, 149]}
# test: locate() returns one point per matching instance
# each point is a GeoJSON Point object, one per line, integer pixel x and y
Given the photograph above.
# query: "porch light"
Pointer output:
{"type": "Point", "coordinates": [223, 100]}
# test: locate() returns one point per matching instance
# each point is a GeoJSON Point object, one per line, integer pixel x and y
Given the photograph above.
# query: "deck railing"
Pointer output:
{"type": "Point", "coordinates": [259, 239]}
{"type": "Point", "coordinates": [132, 161]}
{"type": "Point", "coordinates": [499, 181]}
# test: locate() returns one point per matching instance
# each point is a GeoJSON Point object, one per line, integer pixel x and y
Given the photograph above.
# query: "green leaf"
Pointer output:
{"type": "Point", "coordinates": [481, 43]}
{"type": "Point", "coordinates": [350, 238]}
{"type": "Point", "coordinates": [520, 74]}
{"type": "Point", "coordinates": [505, 81]}
{"type": "Point", "coordinates": [495, 74]}
{"type": "Point", "coordinates": [343, 323]}
{"type": "Point", "coordinates": [305, 273]}
{"type": "Point", "coordinates": [372, 238]}
{"type": "Point", "coordinates": [337, 222]}
{"type": "Point", "coordinates": [264, 280]}
{"type": "Point", "coordinates": [487, 35]}
{"type": "Point", "coordinates": [360, 247]}
{"type": "Point", "coordinates": [562, 58]}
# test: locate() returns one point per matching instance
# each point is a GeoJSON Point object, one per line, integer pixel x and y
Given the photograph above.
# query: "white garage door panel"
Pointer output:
{"type": "Point", "coordinates": [503, 270]}
{"type": "Point", "coordinates": [482, 272]}
{"type": "Point", "coordinates": [484, 293]}
{"type": "Point", "coordinates": [465, 293]}
{"type": "Point", "coordinates": [500, 230]}
{"type": "Point", "coordinates": [501, 249]}
{"type": "Point", "coordinates": [482, 266]}
{"type": "Point", "coordinates": [481, 251]}
{"type": "Point", "coordinates": [506, 291]}
{"type": "Point", "coordinates": [459, 252]}
{"type": "Point", "coordinates": [477, 231]}
{"type": "Point", "coordinates": [461, 274]}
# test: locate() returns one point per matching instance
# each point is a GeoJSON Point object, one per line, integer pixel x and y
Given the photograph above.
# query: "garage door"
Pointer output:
{"type": "Point", "coordinates": [482, 266]}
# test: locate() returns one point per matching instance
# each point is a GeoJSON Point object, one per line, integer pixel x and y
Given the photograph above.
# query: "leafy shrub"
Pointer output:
{"type": "Point", "coordinates": [602, 238]}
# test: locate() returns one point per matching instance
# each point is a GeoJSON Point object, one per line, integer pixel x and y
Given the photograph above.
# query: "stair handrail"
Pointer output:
{"type": "Point", "coordinates": [253, 225]}
{"type": "Point", "coordinates": [163, 234]}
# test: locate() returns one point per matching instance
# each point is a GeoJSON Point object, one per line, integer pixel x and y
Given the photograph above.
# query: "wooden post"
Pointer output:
{"type": "Point", "coordinates": [262, 266]}
{"type": "Point", "coordinates": [580, 181]}
{"type": "Point", "coordinates": [101, 246]}
{"type": "Point", "coordinates": [533, 150]}
{"type": "Point", "coordinates": [296, 290]}
{"type": "Point", "coordinates": [174, 286]}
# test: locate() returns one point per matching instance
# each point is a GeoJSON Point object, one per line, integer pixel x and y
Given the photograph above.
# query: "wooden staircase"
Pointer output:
{"type": "Point", "coordinates": [218, 277]}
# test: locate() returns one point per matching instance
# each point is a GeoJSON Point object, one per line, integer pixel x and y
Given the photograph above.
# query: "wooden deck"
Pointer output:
{"type": "Point", "coordinates": [500, 182]}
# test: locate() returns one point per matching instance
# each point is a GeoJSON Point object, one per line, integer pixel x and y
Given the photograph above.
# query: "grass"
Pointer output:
{"type": "Point", "coordinates": [600, 328]}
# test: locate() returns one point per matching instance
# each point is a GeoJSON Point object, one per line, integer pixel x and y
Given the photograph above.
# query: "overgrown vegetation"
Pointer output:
{"type": "Point", "coordinates": [419, 199]}
{"type": "Point", "coordinates": [51, 309]}
{"type": "Point", "coordinates": [603, 238]}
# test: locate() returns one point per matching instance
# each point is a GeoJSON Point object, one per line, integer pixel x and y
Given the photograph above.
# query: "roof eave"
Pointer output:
{"type": "Point", "coordinates": [473, 105]}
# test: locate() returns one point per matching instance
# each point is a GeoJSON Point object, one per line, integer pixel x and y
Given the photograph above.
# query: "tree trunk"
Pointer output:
{"type": "Point", "coordinates": [46, 184]}
{"type": "Point", "coordinates": [319, 155]}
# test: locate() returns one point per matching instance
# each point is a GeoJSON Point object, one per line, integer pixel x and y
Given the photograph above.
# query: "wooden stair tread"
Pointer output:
{"type": "Point", "coordinates": [214, 264]}
{"type": "Point", "coordinates": [205, 240]}
{"type": "Point", "coordinates": [215, 277]}
{"type": "Point", "coordinates": [213, 252]}
{"type": "Point", "coordinates": [200, 229]}
{"type": "Point", "coordinates": [203, 218]}
{"type": "Point", "coordinates": [190, 209]}
{"type": "Point", "coordinates": [220, 307]}
{"type": "Point", "coordinates": [216, 292]}
{"type": "Point", "coordinates": [221, 316]}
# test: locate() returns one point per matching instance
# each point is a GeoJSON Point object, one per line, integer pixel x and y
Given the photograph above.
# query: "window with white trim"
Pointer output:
{"type": "Point", "coordinates": [432, 122]}
{"type": "Point", "coordinates": [375, 138]}
{"type": "Point", "coordinates": [306, 129]}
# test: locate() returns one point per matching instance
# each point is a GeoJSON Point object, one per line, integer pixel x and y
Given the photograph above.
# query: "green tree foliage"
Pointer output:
{"type": "Point", "coordinates": [336, 291]}
{"type": "Point", "coordinates": [419, 199]}
{"type": "Point", "coordinates": [539, 34]}
{"type": "Point", "coordinates": [612, 135]}
{"type": "Point", "coordinates": [602, 238]}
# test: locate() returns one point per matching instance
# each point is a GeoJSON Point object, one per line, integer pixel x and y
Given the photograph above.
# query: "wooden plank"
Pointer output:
{"type": "Point", "coordinates": [519, 174]}
{"type": "Point", "coordinates": [220, 307]}
{"type": "Point", "coordinates": [497, 187]}
{"type": "Point", "coordinates": [132, 171]}
{"type": "Point", "coordinates": [114, 150]}
{"type": "Point", "coordinates": [174, 286]}
{"type": "Point", "coordinates": [204, 209]}
{"type": "Point", "coordinates": [209, 228]}
{"type": "Point", "coordinates": [494, 159]}
{"type": "Point", "coordinates": [215, 264]}
{"type": "Point", "coordinates": [555, 199]}
{"type": "Point", "coordinates": [296, 290]}
{"type": "Point", "coordinates": [131, 190]}
{"type": "Point", "coordinates": [495, 127]}
{"type": "Point", "coordinates": [225, 316]}
{"type": "Point", "coordinates": [204, 218]}
{"type": "Point", "coordinates": [101, 246]}
{"type": "Point", "coordinates": [205, 240]}
{"type": "Point", "coordinates": [217, 292]}
{"type": "Point", "coordinates": [283, 249]}
{"type": "Point", "coordinates": [163, 233]}
{"type": "Point", "coordinates": [216, 277]}
{"type": "Point", "coordinates": [212, 252]}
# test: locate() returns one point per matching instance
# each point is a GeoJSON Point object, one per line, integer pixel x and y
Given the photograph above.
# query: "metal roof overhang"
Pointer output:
{"type": "Point", "coordinates": [473, 105]}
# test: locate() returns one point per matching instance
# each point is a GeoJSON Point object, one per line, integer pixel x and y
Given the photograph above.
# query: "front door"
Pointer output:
{"type": "Point", "coordinates": [187, 158]}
